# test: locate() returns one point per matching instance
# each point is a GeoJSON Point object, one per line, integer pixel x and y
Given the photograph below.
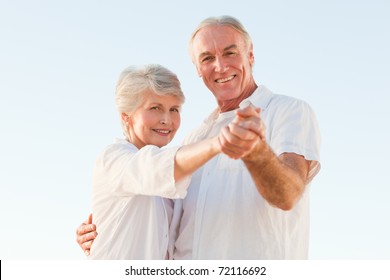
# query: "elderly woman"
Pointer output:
{"type": "Point", "coordinates": [134, 178]}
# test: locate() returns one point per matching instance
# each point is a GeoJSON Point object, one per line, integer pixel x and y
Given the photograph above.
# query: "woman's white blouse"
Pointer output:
{"type": "Point", "coordinates": [130, 201]}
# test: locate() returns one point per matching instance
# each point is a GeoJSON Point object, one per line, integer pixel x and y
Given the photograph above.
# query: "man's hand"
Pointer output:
{"type": "Point", "coordinates": [86, 234]}
{"type": "Point", "coordinates": [246, 131]}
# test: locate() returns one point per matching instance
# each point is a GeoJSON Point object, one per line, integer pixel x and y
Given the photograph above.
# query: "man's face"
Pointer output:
{"type": "Point", "coordinates": [225, 63]}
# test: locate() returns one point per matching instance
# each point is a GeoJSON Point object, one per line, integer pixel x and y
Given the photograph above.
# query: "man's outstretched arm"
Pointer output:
{"type": "Point", "coordinates": [86, 234]}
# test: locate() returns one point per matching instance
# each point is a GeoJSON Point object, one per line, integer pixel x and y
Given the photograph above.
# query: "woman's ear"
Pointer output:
{"type": "Point", "coordinates": [124, 117]}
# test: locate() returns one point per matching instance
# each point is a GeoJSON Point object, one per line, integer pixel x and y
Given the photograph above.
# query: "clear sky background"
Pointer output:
{"type": "Point", "coordinates": [59, 62]}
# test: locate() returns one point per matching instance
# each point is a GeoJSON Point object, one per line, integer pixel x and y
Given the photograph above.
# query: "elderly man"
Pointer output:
{"type": "Point", "coordinates": [256, 207]}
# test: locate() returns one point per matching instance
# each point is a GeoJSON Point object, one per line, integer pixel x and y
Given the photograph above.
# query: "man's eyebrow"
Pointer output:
{"type": "Point", "coordinates": [204, 54]}
{"type": "Point", "coordinates": [233, 46]}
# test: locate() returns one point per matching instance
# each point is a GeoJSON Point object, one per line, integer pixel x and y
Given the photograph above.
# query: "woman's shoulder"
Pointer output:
{"type": "Point", "coordinates": [119, 146]}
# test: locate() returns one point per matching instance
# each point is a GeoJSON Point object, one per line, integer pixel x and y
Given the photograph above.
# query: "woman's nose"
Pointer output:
{"type": "Point", "coordinates": [165, 118]}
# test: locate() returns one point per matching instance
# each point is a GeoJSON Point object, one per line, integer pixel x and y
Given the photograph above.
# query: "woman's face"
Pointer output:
{"type": "Point", "coordinates": [156, 121]}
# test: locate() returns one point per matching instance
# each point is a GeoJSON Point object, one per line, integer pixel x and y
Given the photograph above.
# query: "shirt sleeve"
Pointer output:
{"type": "Point", "coordinates": [148, 171]}
{"type": "Point", "coordinates": [296, 130]}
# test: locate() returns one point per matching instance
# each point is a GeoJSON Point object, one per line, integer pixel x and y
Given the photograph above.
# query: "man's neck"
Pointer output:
{"type": "Point", "coordinates": [233, 104]}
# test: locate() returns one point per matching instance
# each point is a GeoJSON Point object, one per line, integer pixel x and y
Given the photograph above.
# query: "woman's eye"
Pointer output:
{"type": "Point", "coordinates": [154, 108]}
{"type": "Point", "coordinates": [175, 110]}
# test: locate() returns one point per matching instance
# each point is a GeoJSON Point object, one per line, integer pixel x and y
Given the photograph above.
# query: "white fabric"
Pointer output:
{"type": "Point", "coordinates": [127, 205]}
{"type": "Point", "coordinates": [223, 216]}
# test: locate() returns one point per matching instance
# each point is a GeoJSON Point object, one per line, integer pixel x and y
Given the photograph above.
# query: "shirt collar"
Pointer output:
{"type": "Point", "coordinates": [261, 97]}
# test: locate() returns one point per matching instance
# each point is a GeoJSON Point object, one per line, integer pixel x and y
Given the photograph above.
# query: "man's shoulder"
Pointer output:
{"type": "Point", "coordinates": [264, 98]}
{"type": "Point", "coordinates": [281, 101]}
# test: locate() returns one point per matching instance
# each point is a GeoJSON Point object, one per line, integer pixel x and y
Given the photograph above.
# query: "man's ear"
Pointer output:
{"type": "Point", "coordinates": [197, 69]}
{"type": "Point", "coordinates": [251, 55]}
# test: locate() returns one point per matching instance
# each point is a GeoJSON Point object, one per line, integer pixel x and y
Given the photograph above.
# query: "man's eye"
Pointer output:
{"type": "Point", "coordinates": [175, 110]}
{"type": "Point", "coordinates": [207, 58]}
{"type": "Point", "coordinates": [154, 108]}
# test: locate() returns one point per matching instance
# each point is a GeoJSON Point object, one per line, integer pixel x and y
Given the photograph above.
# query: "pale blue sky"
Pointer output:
{"type": "Point", "coordinates": [59, 61]}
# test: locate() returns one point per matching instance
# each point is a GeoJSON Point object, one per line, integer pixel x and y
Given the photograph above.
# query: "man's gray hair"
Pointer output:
{"type": "Point", "coordinates": [224, 21]}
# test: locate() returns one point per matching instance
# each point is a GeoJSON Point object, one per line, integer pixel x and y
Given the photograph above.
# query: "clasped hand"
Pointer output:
{"type": "Point", "coordinates": [243, 134]}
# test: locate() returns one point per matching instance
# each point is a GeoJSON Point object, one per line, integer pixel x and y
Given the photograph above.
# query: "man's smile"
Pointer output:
{"type": "Point", "coordinates": [224, 80]}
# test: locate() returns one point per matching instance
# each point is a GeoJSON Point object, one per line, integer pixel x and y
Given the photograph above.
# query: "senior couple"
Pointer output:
{"type": "Point", "coordinates": [238, 187]}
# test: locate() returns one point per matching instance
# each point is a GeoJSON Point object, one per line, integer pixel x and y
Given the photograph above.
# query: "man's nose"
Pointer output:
{"type": "Point", "coordinates": [220, 65]}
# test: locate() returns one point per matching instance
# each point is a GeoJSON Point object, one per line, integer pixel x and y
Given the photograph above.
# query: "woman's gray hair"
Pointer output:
{"type": "Point", "coordinates": [224, 21]}
{"type": "Point", "coordinates": [134, 80]}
